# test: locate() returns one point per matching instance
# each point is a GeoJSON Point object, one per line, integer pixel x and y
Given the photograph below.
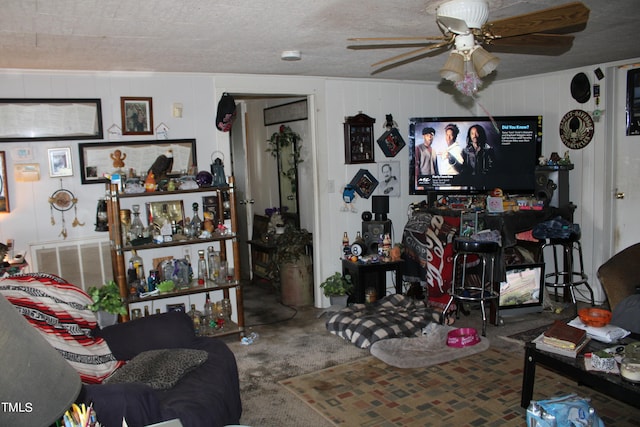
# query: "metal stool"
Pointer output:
{"type": "Point", "coordinates": [566, 277]}
{"type": "Point", "coordinates": [485, 290]}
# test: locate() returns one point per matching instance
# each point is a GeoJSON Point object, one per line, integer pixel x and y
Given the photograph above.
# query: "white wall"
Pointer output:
{"type": "Point", "coordinates": [332, 100]}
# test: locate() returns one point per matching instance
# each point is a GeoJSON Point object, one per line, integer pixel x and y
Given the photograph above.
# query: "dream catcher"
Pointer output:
{"type": "Point", "coordinates": [63, 200]}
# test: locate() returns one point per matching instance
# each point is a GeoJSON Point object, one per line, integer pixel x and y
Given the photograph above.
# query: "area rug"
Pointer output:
{"type": "Point", "coordinates": [481, 390]}
{"type": "Point", "coordinates": [426, 350]}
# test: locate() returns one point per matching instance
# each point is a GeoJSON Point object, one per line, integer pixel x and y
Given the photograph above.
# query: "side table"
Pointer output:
{"type": "Point", "coordinates": [364, 275]}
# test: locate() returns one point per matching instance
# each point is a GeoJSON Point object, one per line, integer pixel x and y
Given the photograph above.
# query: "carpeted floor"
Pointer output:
{"type": "Point", "coordinates": [463, 392]}
{"type": "Point", "coordinates": [293, 342]}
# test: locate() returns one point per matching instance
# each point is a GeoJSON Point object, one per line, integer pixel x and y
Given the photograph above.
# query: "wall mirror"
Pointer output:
{"type": "Point", "coordinates": [100, 160]}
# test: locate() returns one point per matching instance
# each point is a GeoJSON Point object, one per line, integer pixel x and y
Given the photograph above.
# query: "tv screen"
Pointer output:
{"type": "Point", "coordinates": [522, 291]}
{"type": "Point", "coordinates": [474, 154]}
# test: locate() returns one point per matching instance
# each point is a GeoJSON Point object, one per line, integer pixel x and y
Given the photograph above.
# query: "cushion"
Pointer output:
{"type": "Point", "coordinates": [159, 369]}
{"type": "Point", "coordinates": [58, 310]}
{"type": "Point", "coordinates": [389, 317]}
{"type": "Point", "coordinates": [160, 331]}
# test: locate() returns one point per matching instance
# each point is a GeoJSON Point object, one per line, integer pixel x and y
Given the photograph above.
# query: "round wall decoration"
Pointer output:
{"type": "Point", "coordinates": [576, 129]}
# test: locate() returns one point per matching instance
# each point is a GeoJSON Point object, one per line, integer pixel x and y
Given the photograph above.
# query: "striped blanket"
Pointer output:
{"type": "Point", "coordinates": [58, 310]}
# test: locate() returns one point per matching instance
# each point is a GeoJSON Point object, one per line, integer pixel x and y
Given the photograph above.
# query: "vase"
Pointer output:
{"type": "Point", "coordinates": [296, 282]}
{"type": "Point", "coordinates": [339, 300]}
{"type": "Point", "coordinates": [106, 319]}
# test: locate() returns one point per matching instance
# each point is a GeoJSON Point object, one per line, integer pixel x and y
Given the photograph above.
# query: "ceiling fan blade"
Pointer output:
{"type": "Point", "coordinates": [388, 46]}
{"type": "Point", "coordinates": [532, 44]}
{"type": "Point", "coordinates": [410, 53]}
{"type": "Point", "coordinates": [391, 39]}
{"type": "Point", "coordinates": [547, 20]}
{"type": "Point", "coordinates": [430, 53]}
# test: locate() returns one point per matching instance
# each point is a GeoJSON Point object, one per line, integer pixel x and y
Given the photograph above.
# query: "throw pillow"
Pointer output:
{"type": "Point", "coordinates": [159, 369]}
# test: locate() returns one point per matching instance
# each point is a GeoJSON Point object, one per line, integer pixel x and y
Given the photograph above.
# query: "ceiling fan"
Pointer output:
{"type": "Point", "coordinates": [464, 28]}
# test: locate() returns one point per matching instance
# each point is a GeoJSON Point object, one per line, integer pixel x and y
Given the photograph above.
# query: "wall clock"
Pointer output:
{"type": "Point", "coordinates": [576, 129]}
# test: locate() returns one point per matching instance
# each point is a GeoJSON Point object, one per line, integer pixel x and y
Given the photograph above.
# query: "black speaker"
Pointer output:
{"type": "Point", "coordinates": [380, 207]}
{"type": "Point", "coordinates": [544, 187]}
{"type": "Point", "coordinates": [371, 231]}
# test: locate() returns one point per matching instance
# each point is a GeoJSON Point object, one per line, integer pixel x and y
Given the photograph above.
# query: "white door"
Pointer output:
{"type": "Point", "coordinates": [625, 190]}
{"type": "Point", "coordinates": [243, 188]}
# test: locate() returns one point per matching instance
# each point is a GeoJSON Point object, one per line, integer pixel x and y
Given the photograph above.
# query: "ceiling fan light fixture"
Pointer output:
{"type": "Point", "coordinates": [454, 67]}
{"type": "Point", "coordinates": [474, 12]}
{"type": "Point", "coordinates": [483, 62]}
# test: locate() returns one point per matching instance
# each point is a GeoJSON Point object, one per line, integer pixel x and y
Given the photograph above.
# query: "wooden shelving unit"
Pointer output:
{"type": "Point", "coordinates": [119, 248]}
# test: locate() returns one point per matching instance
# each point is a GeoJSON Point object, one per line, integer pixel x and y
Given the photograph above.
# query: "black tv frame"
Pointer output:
{"type": "Point", "coordinates": [517, 143]}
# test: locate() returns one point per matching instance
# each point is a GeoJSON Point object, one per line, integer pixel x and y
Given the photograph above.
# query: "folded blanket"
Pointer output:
{"type": "Point", "coordinates": [58, 310]}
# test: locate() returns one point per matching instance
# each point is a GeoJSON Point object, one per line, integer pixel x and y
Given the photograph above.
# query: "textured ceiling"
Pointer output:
{"type": "Point", "coordinates": [248, 36]}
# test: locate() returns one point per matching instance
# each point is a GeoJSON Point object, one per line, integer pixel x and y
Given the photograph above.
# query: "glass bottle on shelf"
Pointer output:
{"type": "Point", "coordinates": [214, 264]}
{"type": "Point", "coordinates": [196, 222]}
{"type": "Point", "coordinates": [202, 269]}
{"type": "Point", "coordinates": [196, 318]}
{"type": "Point", "coordinates": [136, 229]}
{"type": "Point", "coordinates": [164, 221]}
{"type": "Point", "coordinates": [136, 277]}
{"type": "Point", "coordinates": [208, 322]}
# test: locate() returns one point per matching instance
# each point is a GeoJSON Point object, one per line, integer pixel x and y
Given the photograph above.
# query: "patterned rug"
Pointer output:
{"type": "Point", "coordinates": [481, 390]}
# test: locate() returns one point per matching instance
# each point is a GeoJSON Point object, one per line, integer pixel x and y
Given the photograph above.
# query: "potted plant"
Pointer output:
{"type": "Point", "coordinates": [294, 265]}
{"type": "Point", "coordinates": [337, 287]}
{"type": "Point", "coordinates": [107, 303]}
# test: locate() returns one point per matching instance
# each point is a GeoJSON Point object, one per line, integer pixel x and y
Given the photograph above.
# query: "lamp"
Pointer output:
{"type": "Point", "coordinates": [37, 385]}
{"type": "Point", "coordinates": [483, 62]}
{"type": "Point", "coordinates": [454, 67]}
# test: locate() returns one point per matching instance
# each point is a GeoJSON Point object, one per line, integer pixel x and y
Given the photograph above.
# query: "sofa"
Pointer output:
{"type": "Point", "coordinates": [146, 371]}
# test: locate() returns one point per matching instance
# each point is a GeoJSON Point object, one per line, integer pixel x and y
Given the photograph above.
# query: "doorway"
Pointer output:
{"type": "Point", "coordinates": [258, 182]}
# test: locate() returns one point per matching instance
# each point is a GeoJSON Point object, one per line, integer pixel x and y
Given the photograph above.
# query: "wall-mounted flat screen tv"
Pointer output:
{"type": "Point", "coordinates": [523, 290]}
{"type": "Point", "coordinates": [474, 154]}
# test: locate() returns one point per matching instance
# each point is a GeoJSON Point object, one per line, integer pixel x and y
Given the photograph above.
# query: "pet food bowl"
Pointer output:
{"type": "Point", "coordinates": [595, 317]}
{"type": "Point", "coordinates": [462, 337]}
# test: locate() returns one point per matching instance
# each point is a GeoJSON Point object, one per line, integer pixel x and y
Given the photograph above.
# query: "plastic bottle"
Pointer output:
{"type": "Point", "coordinates": [250, 339]}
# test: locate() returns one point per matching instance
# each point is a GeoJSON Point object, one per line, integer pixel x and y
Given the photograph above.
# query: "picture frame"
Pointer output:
{"type": "Point", "coordinates": [4, 185]}
{"type": "Point", "coordinates": [633, 102]}
{"type": "Point", "coordinates": [50, 119]}
{"type": "Point", "coordinates": [99, 159]}
{"type": "Point", "coordinates": [391, 142]}
{"type": "Point", "coordinates": [175, 211]}
{"type": "Point", "coordinates": [137, 115]}
{"type": "Point", "coordinates": [389, 177]}
{"type": "Point", "coordinates": [60, 162]}
{"type": "Point", "coordinates": [364, 183]}
{"type": "Point", "coordinates": [358, 139]}
{"type": "Point", "coordinates": [289, 112]}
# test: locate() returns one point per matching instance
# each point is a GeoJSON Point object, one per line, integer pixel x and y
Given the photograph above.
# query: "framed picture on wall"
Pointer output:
{"type": "Point", "coordinates": [4, 192]}
{"type": "Point", "coordinates": [137, 116]}
{"type": "Point", "coordinates": [60, 162]}
{"type": "Point", "coordinates": [364, 183]}
{"type": "Point", "coordinates": [633, 102]}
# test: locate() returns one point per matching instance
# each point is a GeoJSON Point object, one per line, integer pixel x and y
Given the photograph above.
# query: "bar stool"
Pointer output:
{"type": "Point", "coordinates": [485, 289]}
{"type": "Point", "coordinates": [567, 277]}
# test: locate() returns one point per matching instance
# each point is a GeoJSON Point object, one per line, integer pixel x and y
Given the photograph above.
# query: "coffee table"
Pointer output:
{"type": "Point", "coordinates": [610, 384]}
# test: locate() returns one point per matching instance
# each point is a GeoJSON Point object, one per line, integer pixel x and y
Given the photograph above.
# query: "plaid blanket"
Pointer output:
{"type": "Point", "coordinates": [390, 317]}
{"type": "Point", "coordinates": [58, 310]}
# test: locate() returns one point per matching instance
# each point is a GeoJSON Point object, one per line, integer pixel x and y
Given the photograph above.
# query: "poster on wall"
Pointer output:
{"type": "Point", "coordinates": [389, 179]}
